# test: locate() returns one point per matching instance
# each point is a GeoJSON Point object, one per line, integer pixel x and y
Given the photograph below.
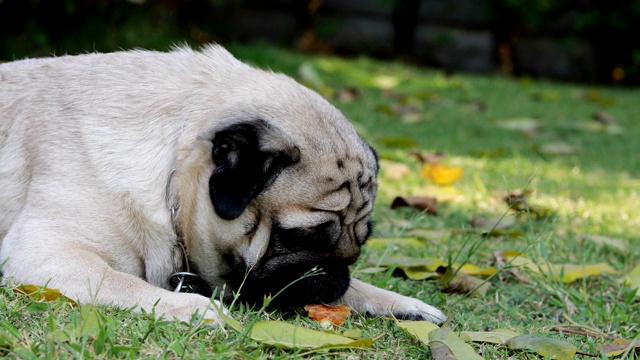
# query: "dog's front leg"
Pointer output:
{"type": "Point", "coordinates": [371, 300]}
{"type": "Point", "coordinates": [81, 274]}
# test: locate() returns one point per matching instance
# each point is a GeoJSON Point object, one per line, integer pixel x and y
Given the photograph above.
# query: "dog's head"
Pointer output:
{"type": "Point", "coordinates": [284, 194]}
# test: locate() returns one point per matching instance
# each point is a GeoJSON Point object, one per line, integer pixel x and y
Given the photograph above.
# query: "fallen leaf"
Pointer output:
{"type": "Point", "coordinates": [430, 235]}
{"type": "Point", "coordinates": [445, 344]}
{"type": "Point", "coordinates": [567, 273]}
{"type": "Point", "coordinates": [348, 94]}
{"type": "Point", "coordinates": [546, 96]}
{"type": "Point", "coordinates": [422, 203]}
{"type": "Point", "coordinates": [353, 334]}
{"type": "Point", "coordinates": [500, 261]}
{"type": "Point", "coordinates": [524, 124]}
{"type": "Point", "coordinates": [418, 329]}
{"type": "Point", "coordinates": [423, 268]}
{"type": "Point", "coordinates": [383, 243]}
{"type": "Point", "coordinates": [429, 263]}
{"type": "Point", "coordinates": [604, 118]}
{"type": "Point", "coordinates": [335, 314]}
{"type": "Point", "coordinates": [40, 293]}
{"type": "Point", "coordinates": [89, 322]}
{"type": "Point", "coordinates": [558, 148]}
{"type": "Point", "coordinates": [399, 142]}
{"type": "Point", "coordinates": [309, 76]}
{"type": "Point", "coordinates": [87, 325]}
{"type": "Point", "coordinates": [496, 226]}
{"type": "Point", "coordinates": [426, 158]}
{"type": "Point", "coordinates": [615, 243]}
{"type": "Point", "coordinates": [394, 170]}
{"type": "Point", "coordinates": [289, 336]}
{"type": "Point", "coordinates": [461, 283]}
{"type": "Point", "coordinates": [618, 347]}
{"type": "Point", "coordinates": [474, 270]}
{"type": "Point", "coordinates": [517, 200]}
{"type": "Point", "coordinates": [595, 97]}
{"type": "Point", "coordinates": [548, 347]}
{"type": "Point", "coordinates": [632, 279]}
{"type": "Point", "coordinates": [497, 336]}
{"type": "Point", "coordinates": [441, 174]}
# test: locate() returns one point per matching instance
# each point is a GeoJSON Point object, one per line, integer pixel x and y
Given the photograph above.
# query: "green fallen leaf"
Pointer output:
{"type": "Point", "coordinates": [289, 336]}
{"type": "Point", "coordinates": [551, 348]}
{"type": "Point", "coordinates": [445, 344]}
{"type": "Point", "coordinates": [632, 279]}
{"type": "Point", "coordinates": [355, 334]}
{"type": "Point", "coordinates": [89, 322]}
{"type": "Point", "coordinates": [228, 320]}
{"type": "Point", "coordinates": [497, 336]}
{"type": "Point", "coordinates": [418, 329]}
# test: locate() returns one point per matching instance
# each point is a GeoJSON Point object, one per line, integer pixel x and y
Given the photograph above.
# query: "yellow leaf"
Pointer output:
{"type": "Point", "coordinates": [441, 174]}
{"type": "Point", "coordinates": [40, 293]}
{"type": "Point", "coordinates": [471, 269]}
{"type": "Point", "coordinates": [566, 273]}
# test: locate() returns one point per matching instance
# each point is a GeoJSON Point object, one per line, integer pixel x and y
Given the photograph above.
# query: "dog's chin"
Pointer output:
{"type": "Point", "coordinates": [295, 285]}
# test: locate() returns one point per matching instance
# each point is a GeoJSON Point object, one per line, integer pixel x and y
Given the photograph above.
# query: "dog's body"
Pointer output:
{"type": "Point", "coordinates": [265, 178]}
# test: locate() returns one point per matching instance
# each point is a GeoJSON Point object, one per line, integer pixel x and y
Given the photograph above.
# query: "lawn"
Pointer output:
{"type": "Point", "coordinates": [572, 149]}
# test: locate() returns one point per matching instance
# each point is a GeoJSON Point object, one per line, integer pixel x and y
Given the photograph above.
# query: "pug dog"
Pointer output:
{"type": "Point", "coordinates": [124, 175]}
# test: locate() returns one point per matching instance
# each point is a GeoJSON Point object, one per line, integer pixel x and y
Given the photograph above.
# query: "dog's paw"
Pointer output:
{"type": "Point", "coordinates": [373, 301]}
{"type": "Point", "coordinates": [191, 308]}
{"type": "Point", "coordinates": [406, 308]}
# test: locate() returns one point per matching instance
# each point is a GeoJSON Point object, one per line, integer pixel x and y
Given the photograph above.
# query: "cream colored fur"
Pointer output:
{"type": "Point", "coordinates": [87, 145]}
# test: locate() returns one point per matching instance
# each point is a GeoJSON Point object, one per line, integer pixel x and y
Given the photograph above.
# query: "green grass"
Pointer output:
{"type": "Point", "coordinates": [595, 190]}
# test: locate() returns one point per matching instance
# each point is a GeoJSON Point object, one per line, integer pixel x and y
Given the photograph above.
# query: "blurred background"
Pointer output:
{"type": "Point", "coordinates": [587, 41]}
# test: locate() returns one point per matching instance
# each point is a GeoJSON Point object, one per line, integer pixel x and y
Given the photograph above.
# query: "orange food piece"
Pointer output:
{"type": "Point", "coordinates": [326, 313]}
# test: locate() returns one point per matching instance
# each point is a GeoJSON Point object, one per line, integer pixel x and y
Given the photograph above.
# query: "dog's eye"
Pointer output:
{"type": "Point", "coordinates": [316, 237]}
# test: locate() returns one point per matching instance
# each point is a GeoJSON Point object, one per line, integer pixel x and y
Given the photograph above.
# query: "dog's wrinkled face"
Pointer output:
{"type": "Point", "coordinates": [304, 203]}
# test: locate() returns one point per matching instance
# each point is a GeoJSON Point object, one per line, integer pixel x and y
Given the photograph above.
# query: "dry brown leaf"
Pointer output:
{"type": "Point", "coordinates": [458, 282]}
{"type": "Point", "coordinates": [604, 118]}
{"type": "Point", "coordinates": [348, 94]}
{"type": "Point", "coordinates": [424, 203]}
{"type": "Point", "coordinates": [394, 170]}
{"type": "Point", "coordinates": [428, 158]}
{"type": "Point", "coordinates": [335, 314]}
{"type": "Point", "coordinates": [500, 262]}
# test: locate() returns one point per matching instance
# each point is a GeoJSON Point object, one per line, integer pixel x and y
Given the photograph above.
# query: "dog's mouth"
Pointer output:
{"type": "Point", "coordinates": [290, 284]}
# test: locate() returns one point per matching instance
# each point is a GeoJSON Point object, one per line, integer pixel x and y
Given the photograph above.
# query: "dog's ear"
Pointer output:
{"type": "Point", "coordinates": [248, 157]}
